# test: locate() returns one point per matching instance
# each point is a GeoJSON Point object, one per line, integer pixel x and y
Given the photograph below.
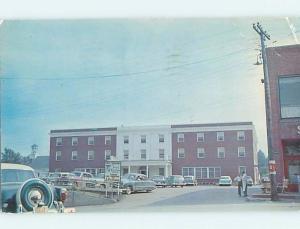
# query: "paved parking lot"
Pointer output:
{"type": "Point", "coordinates": [199, 198]}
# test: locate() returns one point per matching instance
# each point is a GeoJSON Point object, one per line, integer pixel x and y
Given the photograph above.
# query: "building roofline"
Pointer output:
{"type": "Point", "coordinates": [212, 124]}
{"type": "Point", "coordinates": [283, 47]}
{"type": "Point", "coordinates": [83, 130]}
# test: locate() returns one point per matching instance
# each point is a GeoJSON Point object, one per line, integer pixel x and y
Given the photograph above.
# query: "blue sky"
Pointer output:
{"type": "Point", "coordinates": [60, 74]}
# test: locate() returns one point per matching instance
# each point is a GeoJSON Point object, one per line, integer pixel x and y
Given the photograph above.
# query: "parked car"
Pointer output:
{"type": "Point", "coordinates": [249, 181]}
{"type": "Point", "coordinates": [135, 182]}
{"type": "Point", "coordinates": [22, 191]}
{"type": "Point", "coordinates": [65, 180]}
{"type": "Point", "coordinates": [190, 180]}
{"type": "Point", "coordinates": [159, 180]}
{"type": "Point", "coordinates": [175, 181]}
{"type": "Point", "coordinates": [225, 180]}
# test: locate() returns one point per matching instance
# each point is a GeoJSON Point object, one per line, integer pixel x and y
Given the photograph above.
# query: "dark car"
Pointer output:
{"type": "Point", "coordinates": [135, 182]}
{"type": "Point", "coordinates": [159, 180]}
{"type": "Point", "coordinates": [175, 181]}
{"type": "Point", "coordinates": [22, 191]}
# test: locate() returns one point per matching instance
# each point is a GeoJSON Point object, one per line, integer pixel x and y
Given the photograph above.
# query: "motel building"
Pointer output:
{"type": "Point", "coordinates": [208, 151]}
{"type": "Point", "coordinates": [81, 149]}
{"type": "Point", "coordinates": [284, 74]}
{"type": "Point", "coordinates": [145, 150]}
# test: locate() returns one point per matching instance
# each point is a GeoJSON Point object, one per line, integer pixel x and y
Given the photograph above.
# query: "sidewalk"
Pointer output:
{"type": "Point", "coordinates": [295, 196]}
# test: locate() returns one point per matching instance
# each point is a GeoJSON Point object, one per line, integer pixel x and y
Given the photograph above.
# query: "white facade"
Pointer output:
{"type": "Point", "coordinates": [145, 149]}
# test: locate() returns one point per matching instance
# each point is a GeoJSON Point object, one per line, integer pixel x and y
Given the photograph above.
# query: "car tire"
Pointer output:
{"type": "Point", "coordinates": [128, 190]}
{"type": "Point", "coordinates": [34, 184]}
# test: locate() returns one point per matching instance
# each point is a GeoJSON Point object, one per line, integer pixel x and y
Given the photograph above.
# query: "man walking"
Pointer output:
{"type": "Point", "coordinates": [244, 183]}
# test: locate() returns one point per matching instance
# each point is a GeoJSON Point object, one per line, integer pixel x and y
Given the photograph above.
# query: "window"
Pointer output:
{"type": "Point", "coordinates": [217, 172]}
{"type": "Point", "coordinates": [143, 139]}
{"type": "Point", "coordinates": [143, 154]}
{"type": "Point", "coordinates": [58, 141]}
{"type": "Point", "coordinates": [242, 169]}
{"type": "Point", "coordinates": [74, 155]}
{"type": "Point", "coordinates": [241, 136]}
{"type": "Point", "coordinates": [241, 152]}
{"type": "Point", "coordinates": [198, 172]}
{"type": "Point", "coordinates": [220, 136]}
{"type": "Point", "coordinates": [74, 141]}
{"type": "Point", "coordinates": [107, 140]}
{"type": "Point", "coordinates": [289, 93]}
{"type": "Point", "coordinates": [91, 140]}
{"type": "Point", "coordinates": [126, 154]}
{"type": "Point", "coordinates": [221, 152]}
{"type": "Point", "coordinates": [161, 171]}
{"type": "Point", "coordinates": [181, 153]}
{"type": "Point", "coordinates": [161, 154]}
{"type": "Point", "coordinates": [180, 137]}
{"type": "Point", "coordinates": [91, 155]}
{"type": "Point", "coordinates": [126, 140]}
{"type": "Point", "coordinates": [200, 137]}
{"type": "Point", "coordinates": [200, 153]}
{"type": "Point", "coordinates": [185, 171]}
{"type": "Point", "coordinates": [107, 153]}
{"type": "Point", "coordinates": [58, 156]}
{"type": "Point", "coordinates": [204, 173]}
{"type": "Point", "coordinates": [161, 138]}
{"type": "Point", "coordinates": [211, 173]}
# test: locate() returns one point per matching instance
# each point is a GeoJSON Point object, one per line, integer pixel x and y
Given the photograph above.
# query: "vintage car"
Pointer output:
{"type": "Point", "coordinates": [65, 179]}
{"type": "Point", "coordinates": [225, 181]}
{"type": "Point", "coordinates": [135, 182]}
{"type": "Point", "coordinates": [175, 181]}
{"type": "Point", "coordinates": [190, 180]}
{"type": "Point", "coordinates": [159, 180]}
{"type": "Point", "coordinates": [21, 191]}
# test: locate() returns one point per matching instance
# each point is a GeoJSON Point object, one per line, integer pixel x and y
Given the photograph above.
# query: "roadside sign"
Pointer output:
{"type": "Point", "coordinates": [113, 171]}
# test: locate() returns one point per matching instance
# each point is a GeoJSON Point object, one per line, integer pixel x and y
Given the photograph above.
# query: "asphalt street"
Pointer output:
{"type": "Point", "coordinates": [194, 199]}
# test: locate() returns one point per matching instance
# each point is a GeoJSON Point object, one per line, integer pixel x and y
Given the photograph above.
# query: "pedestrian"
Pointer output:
{"type": "Point", "coordinates": [244, 183]}
{"type": "Point", "coordinates": [238, 179]}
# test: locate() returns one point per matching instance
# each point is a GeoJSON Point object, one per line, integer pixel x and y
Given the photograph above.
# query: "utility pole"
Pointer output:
{"type": "Point", "coordinates": [263, 36]}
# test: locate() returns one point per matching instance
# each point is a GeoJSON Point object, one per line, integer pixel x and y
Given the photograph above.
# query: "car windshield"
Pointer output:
{"type": "Point", "coordinates": [77, 174]}
{"type": "Point", "coordinates": [188, 179]}
{"type": "Point", "coordinates": [224, 178]}
{"type": "Point", "coordinates": [16, 175]}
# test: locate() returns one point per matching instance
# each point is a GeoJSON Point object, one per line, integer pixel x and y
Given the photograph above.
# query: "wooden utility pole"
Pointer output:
{"type": "Point", "coordinates": [263, 36]}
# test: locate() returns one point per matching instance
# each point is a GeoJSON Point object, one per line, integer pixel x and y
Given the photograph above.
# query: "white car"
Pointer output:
{"type": "Point", "coordinates": [225, 180]}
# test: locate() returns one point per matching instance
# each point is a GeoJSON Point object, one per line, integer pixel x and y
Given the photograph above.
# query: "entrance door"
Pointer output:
{"type": "Point", "coordinates": [143, 170]}
{"type": "Point", "coordinates": [125, 171]}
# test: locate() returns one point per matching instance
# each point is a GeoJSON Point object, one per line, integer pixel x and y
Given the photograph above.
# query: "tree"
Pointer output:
{"type": "Point", "coordinates": [10, 156]}
{"type": "Point", "coordinates": [262, 163]}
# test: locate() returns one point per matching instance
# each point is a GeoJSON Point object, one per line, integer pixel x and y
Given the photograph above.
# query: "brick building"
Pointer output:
{"type": "Point", "coordinates": [204, 150]}
{"type": "Point", "coordinates": [209, 151]}
{"type": "Point", "coordinates": [284, 74]}
{"type": "Point", "coordinates": [81, 149]}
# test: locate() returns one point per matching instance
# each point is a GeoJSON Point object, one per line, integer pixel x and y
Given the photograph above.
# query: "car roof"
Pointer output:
{"type": "Point", "coordinates": [15, 166]}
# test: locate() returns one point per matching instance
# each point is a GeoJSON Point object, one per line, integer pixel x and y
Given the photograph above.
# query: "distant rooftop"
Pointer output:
{"type": "Point", "coordinates": [83, 130]}
{"type": "Point", "coordinates": [212, 124]}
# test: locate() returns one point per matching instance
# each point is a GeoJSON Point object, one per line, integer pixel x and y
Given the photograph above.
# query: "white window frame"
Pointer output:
{"type": "Point", "coordinates": [220, 150]}
{"type": "Point", "coordinates": [126, 154]}
{"type": "Point", "coordinates": [241, 135]}
{"type": "Point", "coordinates": [58, 154]}
{"type": "Point", "coordinates": [59, 141]}
{"type": "Point", "coordinates": [161, 138]}
{"type": "Point", "coordinates": [91, 153]}
{"type": "Point", "coordinates": [161, 152]}
{"type": "Point", "coordinates": [73, 154]}
{"type": "Point", "coordinates": [200, 137]}
{"type": "Point", "coordinates": [200, 151]}
{"type": "Point", "coordinates": [241, 149]}
{"type": "Point", "coordinates": [242, 166]}
{"type": "Point", "coordinates": [180, 137]}
{"type": "Point", "coordinates": [107, 140]}
{"type": "Point", "coordinates": [143, 152]}
{"type": "Point", "coordinates": [179, 153]}
{"type": "Point", "coordinates": [126, 138]}
{"type": "Point", "coordinates": [220, 136]}
{"type": "Point", "coordinates": [91, 140]}
{"type": "Point", "coordinates": [74, 141]}
{"type": "Point", "coordinates": [107, 153]}
{"type": "Point", "coordinates": [143, 139]}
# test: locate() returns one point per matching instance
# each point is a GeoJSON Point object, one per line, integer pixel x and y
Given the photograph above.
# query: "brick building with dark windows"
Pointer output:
{"type": "Point", "coordinates": [209, 151]}
{"type": "Point", "coordinates": [284, 74]}
{"type": "Point", "coordinates": [81, 149]}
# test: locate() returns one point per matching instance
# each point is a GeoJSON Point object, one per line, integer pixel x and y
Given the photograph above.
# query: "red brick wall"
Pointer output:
{"type": "Point", "coordinates": [67, 165]}
{"type": "Point", "coordinates": [282, 61]}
